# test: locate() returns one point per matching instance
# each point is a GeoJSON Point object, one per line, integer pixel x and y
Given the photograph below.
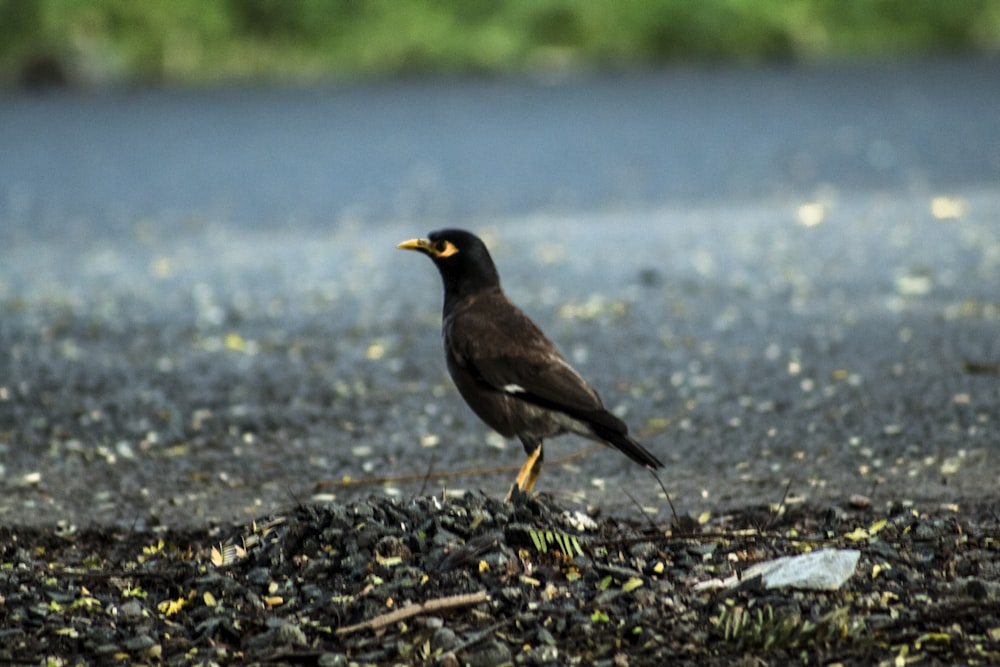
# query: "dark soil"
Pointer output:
{"type": "Point", "coordinates": [524, 583]}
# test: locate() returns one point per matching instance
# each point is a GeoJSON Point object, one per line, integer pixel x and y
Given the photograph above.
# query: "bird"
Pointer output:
{"type": "Point", "coordinates": [506, 369]}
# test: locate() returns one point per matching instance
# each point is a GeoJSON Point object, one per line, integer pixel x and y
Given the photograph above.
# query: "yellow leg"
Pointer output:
{"type": "Point", "coordinates": [529, 472]}
{"type": "Point", "coordinates": [536, 468]}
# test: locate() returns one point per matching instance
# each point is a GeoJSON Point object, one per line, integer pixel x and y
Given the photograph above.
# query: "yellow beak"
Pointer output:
{"type": "Point", "coordinates": [422, 245]}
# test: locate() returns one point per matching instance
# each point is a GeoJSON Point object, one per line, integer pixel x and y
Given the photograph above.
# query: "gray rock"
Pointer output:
{"type": "Point", "coordinates": [541, 655]}
{"type": "Point", "coordinates": [333, 660]}
{"type": "Point", "coordinates": [489, 653]}
{"type": "Point", "coordinates": [139, 643]}
{"type": "Point", "coordinates": [444, 639]}
{"type": "Point", "coordinates": [130, 612]}
{"type": "Point", "coordinates": [260, 576]}
{"type": "Point", "coordinates": [289, 633]}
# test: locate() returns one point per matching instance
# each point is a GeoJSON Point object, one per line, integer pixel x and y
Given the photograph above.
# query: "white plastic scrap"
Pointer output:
{"type": "Point", "coordinates": [578, 520]}
{"type": "Point", "coordinates": [823, 570]}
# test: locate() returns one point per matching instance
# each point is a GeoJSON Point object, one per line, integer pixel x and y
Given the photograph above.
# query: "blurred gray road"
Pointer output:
{"type": "Point", "coordinates": [776, 276]}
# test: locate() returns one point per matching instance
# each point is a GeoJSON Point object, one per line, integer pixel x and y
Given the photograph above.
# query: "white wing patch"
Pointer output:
{"type": "Point", "coordinates": [513, 388]}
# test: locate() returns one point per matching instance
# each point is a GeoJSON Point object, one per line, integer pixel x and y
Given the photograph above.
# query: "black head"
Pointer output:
{"type": "Point", "coordinates": [462, 258]}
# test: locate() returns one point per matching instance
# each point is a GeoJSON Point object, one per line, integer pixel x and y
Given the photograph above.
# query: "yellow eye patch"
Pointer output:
{"type": "Point", "coordinates": [443, 249]}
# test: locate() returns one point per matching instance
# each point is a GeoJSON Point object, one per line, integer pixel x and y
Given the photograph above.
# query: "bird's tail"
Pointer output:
{"type": "Point", "coordinates": [628, 445]}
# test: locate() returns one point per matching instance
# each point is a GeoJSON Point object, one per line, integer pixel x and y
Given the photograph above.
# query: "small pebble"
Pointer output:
{"type": "Point", "coordinates": [130, 612]}
{"type": "Point", "coordinates": [140, 643]}
{"type": "Point", "coordinates": [858, 501]}
{"type": "Point", "coordinates": [444, 639]}
{"type": "Point", "coordinates": [488, 653]}
{"type": "Point", "coordinates": [289, 633]}
{"type": "Point", "coordinates": [333, 660]}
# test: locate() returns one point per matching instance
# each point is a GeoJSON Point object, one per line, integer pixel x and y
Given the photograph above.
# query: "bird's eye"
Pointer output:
{"type": "Point", "coordinates": [443, 248]}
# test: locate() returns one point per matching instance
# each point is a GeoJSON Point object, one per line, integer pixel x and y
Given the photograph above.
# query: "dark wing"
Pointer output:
{"type": "Point", "coordinates": [500, 347]}
{"type": "Point", "coordinates": [504, 349]}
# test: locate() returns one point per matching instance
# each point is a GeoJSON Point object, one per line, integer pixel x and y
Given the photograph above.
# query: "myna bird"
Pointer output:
{"type": "Point", "coordinates": [509, 373]}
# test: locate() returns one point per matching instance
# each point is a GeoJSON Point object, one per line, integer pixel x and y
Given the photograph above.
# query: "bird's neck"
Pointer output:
{"type": "Point", "coordinates": [463, 294]}
{"type": "Point", "coordinates": [459, 287]}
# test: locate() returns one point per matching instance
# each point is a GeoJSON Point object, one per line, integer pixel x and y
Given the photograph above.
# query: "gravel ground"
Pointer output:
{"type": "Point", "coordinates": [471, 580]}
{"type": "Point", "coordinates": [784, 280]}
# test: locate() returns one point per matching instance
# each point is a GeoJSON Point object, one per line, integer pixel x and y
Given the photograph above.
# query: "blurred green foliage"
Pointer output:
{"type": "Point", "coordinates": [220, 40]}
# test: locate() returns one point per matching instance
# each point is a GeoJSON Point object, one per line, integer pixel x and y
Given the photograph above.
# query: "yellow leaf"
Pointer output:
{"type": "Point", "coordinates": [86, 602]}
{"type": "Point", "coordinates": [657, 423]}
{"type": "Point", "coordinates": [171, 607]}
{"type": "Point", "coordinates": [217, 559]}
{"type": "Point", "coordinates": [153, 548]}
{"type": "Point", "coordinates": [857, 535]}
{"type": "Point", "coordinates": [234, 341]}
{"type": "Point", "coordinates": [933, 637]}
{"type": "Point", "coordinates": [947, 208]}
{"type": "Point", "coordinates": [632, 584]}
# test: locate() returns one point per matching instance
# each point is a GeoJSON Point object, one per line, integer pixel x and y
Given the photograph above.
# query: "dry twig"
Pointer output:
{"type": "Point", "coordinates": [409, 611]}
